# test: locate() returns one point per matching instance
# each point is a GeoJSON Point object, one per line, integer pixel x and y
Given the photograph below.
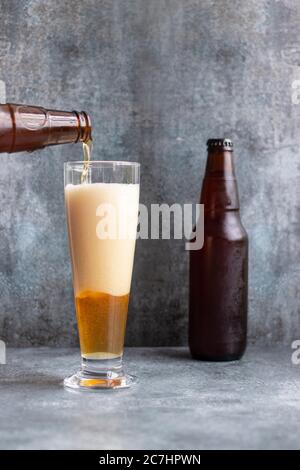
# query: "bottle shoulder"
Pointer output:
{"type": "Point", "coordinates": [227, 225]}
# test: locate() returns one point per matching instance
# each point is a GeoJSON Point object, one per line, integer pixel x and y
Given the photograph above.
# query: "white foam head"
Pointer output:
{"type": "Point", "coordinates": [102, 265]}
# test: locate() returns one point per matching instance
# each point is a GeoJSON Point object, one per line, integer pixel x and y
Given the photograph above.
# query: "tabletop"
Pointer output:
{"type": "Point", "coordinates": [177, 403]}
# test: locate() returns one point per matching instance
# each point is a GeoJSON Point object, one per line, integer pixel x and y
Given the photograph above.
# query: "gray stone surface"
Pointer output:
{"type": "Point", "coordinates": [178, 403]}
{"type": "Point", "coordinates": [158, 77]}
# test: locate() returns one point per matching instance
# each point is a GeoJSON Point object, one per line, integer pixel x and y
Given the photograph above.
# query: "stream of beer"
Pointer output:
{"type": "Point", "coordinates": [87, 151]}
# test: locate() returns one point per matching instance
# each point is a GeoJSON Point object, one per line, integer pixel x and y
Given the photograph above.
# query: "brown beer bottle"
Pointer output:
{"type": "Point", "coordinates": [29, 128]}
{"type": "Point", "coordinates": [219, 270]}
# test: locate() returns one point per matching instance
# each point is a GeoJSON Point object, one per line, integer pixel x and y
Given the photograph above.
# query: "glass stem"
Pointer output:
{"type": "Point", "coordinates": [106, 367]}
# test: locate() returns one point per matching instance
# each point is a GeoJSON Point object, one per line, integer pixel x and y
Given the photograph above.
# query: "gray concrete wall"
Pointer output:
{"type": "Point", "coordinates": [158, 77]}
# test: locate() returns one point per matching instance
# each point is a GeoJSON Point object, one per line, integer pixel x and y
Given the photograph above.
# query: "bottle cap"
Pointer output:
{"type": "Point", "coordinates": [225, 144]}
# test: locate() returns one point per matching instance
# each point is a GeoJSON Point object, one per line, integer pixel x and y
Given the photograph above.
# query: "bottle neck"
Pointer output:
{"type": "Point", "coordinates": [27, 128]}
{"type": "Point", "coordinates": [219, 190]}
{"type": "Point", "coordinates": [220, 164]}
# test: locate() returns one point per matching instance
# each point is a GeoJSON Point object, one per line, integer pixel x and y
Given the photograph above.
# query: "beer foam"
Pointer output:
{"type": "Point", "coordinates": [101, 265]}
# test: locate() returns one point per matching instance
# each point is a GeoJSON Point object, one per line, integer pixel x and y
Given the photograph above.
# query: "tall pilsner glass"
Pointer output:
{"type": "Point", "coordinates": [102, 217]}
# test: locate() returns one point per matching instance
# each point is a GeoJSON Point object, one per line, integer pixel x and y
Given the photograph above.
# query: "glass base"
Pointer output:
{"type": "Point", "coordinates": [90, 378]}
{"type": "Point", "coordinates": [83, 381]}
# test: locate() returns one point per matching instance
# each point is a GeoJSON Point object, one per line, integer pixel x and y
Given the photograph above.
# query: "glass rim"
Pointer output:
{"type": "Point", "coordinates": [104, 163]}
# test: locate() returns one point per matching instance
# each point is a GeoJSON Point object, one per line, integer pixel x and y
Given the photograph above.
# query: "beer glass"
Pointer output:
{"type": "Point", "coordinates": [102, 217]}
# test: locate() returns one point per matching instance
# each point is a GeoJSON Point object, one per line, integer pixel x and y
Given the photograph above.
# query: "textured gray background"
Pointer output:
{"type": "Point", "coordinates": [158, 77]}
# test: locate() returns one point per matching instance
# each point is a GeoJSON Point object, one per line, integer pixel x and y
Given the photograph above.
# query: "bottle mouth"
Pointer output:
{"type": "Point", "coordinates": [223, 144]}
{"type": "Point", "coordinates": [85, 126]}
